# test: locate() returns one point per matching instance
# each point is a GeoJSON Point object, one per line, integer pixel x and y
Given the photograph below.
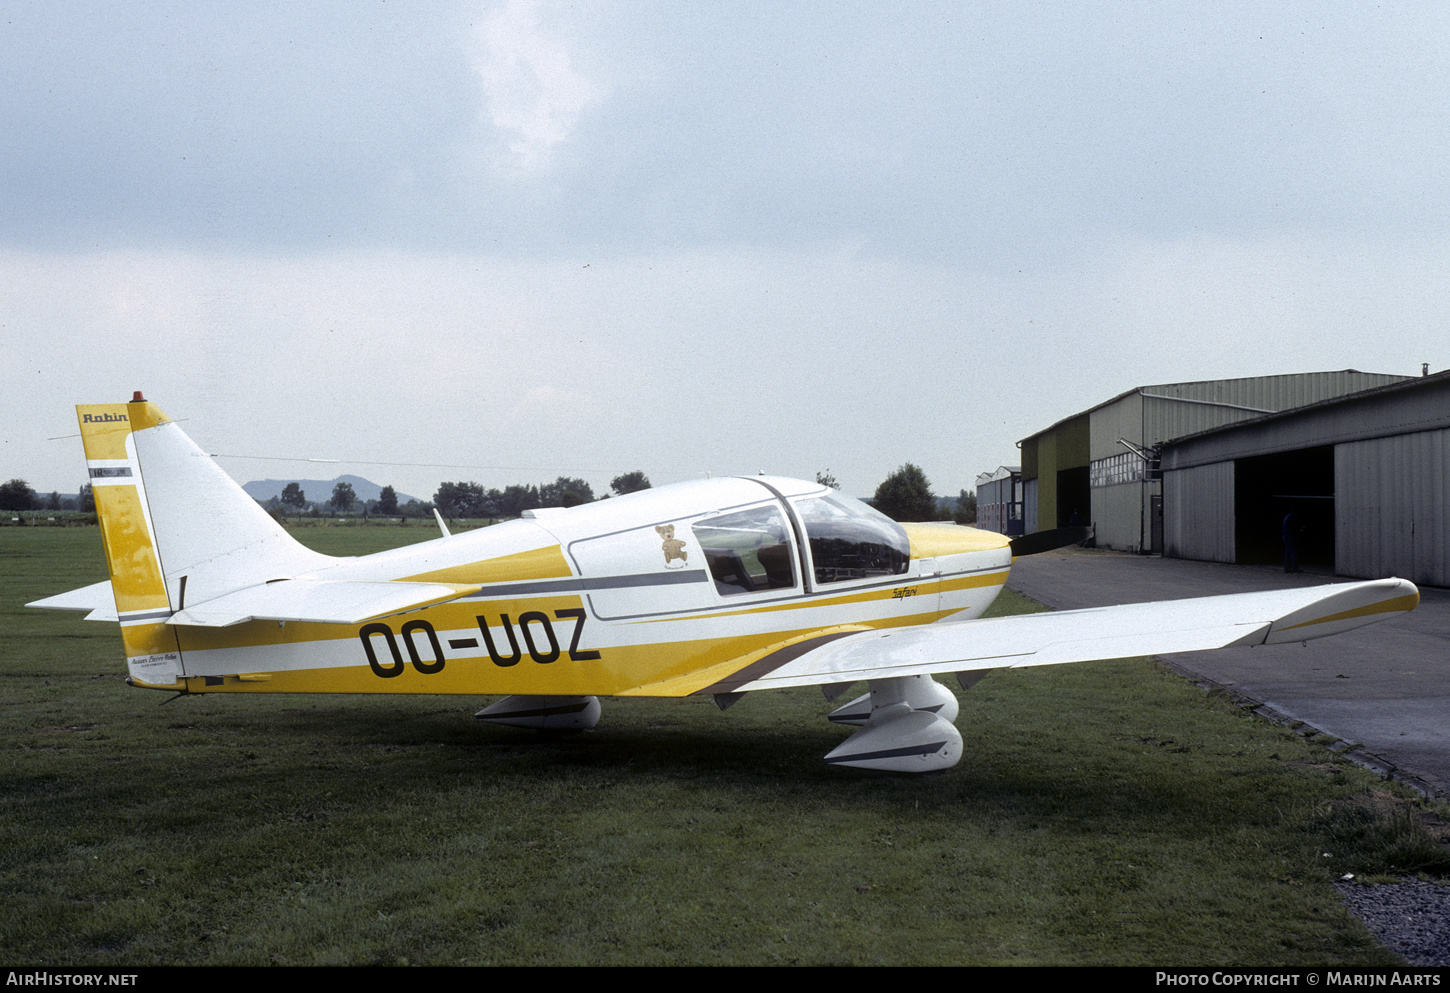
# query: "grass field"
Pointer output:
{"type": "Point", "coordinates": [1105, 813]}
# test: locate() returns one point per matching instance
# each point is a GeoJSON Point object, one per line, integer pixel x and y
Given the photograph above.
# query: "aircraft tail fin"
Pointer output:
{"type": "Point", "coordinates": [176, 528]}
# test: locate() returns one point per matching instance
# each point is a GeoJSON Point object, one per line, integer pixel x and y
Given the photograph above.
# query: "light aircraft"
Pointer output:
{"type": "Point", "coordinates": [722, 586]}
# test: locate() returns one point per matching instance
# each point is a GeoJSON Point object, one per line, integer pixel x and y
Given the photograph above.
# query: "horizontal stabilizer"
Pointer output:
{"type": "Point", "coordinates": [96, 598]}
{"type": "Point", "coordinates": [318, 601]}
{"type": "Point", "coordinates": [1193, 625]}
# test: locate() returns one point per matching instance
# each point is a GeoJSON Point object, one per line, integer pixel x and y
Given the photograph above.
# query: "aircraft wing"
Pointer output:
{"type": "Point", "coordinates": [1274, 617]}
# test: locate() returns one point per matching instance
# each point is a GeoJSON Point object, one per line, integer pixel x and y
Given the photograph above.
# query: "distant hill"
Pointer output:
{"type": "Point", "coordinates": [318, 490]}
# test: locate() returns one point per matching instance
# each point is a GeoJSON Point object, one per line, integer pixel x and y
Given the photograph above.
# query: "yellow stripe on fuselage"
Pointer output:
{"type": "Point", "coordinates": [694, 682]}
{"type": "Point", "coordinates": [536, 563]}
{"type": "Point", "coordinates": [950, 583]}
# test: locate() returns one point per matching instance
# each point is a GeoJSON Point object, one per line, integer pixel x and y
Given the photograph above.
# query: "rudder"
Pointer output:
{"type": "Point", "coordinates": [153, 655]}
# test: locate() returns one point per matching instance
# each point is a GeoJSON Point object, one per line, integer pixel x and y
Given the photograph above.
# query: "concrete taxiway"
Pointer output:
{"type": "Point", "coordinates": [1384, 688]}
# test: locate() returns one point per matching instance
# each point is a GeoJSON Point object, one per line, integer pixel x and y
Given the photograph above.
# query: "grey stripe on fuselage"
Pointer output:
{"type": "Point", "coordinates": [582, 584]}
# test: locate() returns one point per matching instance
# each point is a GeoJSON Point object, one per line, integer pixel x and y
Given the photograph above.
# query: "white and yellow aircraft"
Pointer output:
{"type": "Point", "coordinates": [721, 586]}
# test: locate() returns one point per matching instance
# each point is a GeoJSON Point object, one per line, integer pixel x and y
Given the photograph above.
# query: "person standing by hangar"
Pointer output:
{"type": "Point", "coordinates": [1289, 533]}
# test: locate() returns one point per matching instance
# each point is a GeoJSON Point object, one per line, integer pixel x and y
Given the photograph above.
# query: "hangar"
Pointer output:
{"type": "Point", "coordinates": [999, 500]}
{"type": "Point", "coordinates": [1366, 474]}
{"type": "Point", "coordinates": [1102, 465]}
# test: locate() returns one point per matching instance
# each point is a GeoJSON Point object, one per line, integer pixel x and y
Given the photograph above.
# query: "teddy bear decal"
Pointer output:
{"type": "Point", "coordinates": [673, 547]}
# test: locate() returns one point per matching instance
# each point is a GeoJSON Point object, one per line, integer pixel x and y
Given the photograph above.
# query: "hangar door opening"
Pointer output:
{"type": "Point", "coordinates": [1267, 488]}
{"type": "Point", "coordinates": [1073, 496]}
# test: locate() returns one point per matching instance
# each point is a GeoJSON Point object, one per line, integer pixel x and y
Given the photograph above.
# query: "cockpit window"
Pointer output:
{"type": "Point", "coordinates": [850, 540]}
{"type": "Point", "coordinates": [747, 551]}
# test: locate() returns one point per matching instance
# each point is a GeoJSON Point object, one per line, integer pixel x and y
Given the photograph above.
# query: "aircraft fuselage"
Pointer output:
{"type": "Point", "coordinates": [665, 592]}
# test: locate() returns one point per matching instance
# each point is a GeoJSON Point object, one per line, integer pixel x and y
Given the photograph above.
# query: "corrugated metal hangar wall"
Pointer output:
{"type": "Point", "coordinates": [1101, 464]}
{"type": "Point", "coordinates": [1366, 474]}
{"type": "Point", "coordinates": [999, 500]}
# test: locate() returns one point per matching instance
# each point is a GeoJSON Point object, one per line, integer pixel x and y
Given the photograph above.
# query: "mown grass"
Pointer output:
{"type": "Point", "coordinates": [1104, 813]}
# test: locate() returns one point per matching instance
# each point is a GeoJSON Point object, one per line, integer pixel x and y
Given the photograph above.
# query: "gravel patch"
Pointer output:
{"type": "Point", "coordinates": [1410, 917]}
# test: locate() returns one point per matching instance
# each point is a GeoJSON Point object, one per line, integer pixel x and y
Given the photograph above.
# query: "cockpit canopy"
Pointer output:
{"type": "Point", "coordinates": [749, 550]}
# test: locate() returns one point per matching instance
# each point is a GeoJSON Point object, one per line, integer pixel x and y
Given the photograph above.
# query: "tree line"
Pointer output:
{"type": "Point", "coordinates": [16, 494]}
{"type": "Point", "coordinates": [344, 500]}
{"type": "Point", "coordinates": [472, 500]}
{"type": "Point", "coordinates": [460, 499]}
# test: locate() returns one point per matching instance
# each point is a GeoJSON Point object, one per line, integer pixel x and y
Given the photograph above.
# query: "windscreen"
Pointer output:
{"type": "Point", "coordinates": [850, 540]}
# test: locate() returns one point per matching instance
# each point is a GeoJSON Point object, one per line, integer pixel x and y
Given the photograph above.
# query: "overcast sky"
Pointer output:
{"type": "Point", "coordinates": [526, 239]}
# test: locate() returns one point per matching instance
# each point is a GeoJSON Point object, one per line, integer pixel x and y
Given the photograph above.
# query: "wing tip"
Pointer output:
{"type": "Point", "coordinates": [1350, 606]}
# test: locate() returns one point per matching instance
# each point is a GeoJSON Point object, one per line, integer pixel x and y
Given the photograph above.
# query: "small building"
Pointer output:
{"type": "Point", "coordinates": [1367, 476]}
{"type": "Point", "coordinates": [999, 500]}
{"type": "Point", "coordinates": [1103, 464]}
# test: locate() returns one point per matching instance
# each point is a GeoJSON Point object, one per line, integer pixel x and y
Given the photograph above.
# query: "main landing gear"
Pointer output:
{"type": "Point", "coordinates": [905, 723]}
{"type": "Point", "coordinates": [906, 726]}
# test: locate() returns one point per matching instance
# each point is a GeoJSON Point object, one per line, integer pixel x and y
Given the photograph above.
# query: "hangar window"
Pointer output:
{"type": "Point", "coordinates": [850, 540]}
{"type": "Point", "coordinates": [1125, 468]}
{"type": "Point", "coordinates": [748, 550]}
